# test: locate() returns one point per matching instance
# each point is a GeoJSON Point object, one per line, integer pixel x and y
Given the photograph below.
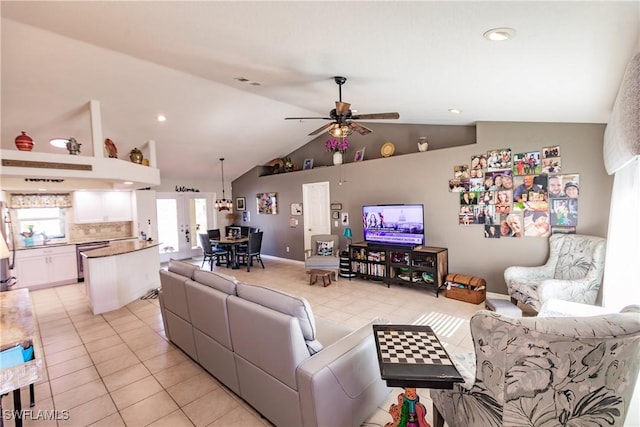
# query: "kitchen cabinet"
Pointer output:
{"type": "Point", "coordinates": [46, 266]}
{"type": "Point", "coordinates": [145, 213]}
{"type": "Point", "coordinates": [101, 206]}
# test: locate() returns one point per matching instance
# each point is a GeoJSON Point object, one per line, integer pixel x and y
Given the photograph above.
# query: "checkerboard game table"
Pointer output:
{"type": "Point", "coordinates": [411, 356]}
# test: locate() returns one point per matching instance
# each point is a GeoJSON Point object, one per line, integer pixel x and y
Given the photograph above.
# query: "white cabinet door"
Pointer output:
{"type": "Point", "coordinates": [87, 207]}
{"type": "Point", "coordinates": [101, 206]}
{"type": "Point", "coordinates": [31, 271]}
{"type": "Point", "coordinates": [63, 267]}
{"type": "Point", "coordinates": [117, 206]}
{"type": "Point", "coordinates": [47, 266]}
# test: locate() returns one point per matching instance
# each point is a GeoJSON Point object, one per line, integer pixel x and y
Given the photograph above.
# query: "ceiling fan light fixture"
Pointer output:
{"type": "Point", "coordinates": [340, 130]}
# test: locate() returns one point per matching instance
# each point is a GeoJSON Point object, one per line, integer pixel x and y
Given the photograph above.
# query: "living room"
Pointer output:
{"type": "Point", "coordinates": [406, 177]}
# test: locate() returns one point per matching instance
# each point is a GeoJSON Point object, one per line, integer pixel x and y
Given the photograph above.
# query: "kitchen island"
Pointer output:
{"type": "Point", "coordinates": [120, 273]}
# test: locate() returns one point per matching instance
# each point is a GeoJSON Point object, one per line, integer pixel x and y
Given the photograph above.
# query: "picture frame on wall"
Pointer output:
{"type": "Point", "coordinates": [240, 203]}
{"type": "Point", "coordinates": [296, 208]}
{"type": "Point", "coordinates": [246, 217]}
{"type": "Point", "coordinates": [267, 203]}
{"type": "Point", "coordinates": [308, 164]}
{"type": "Point", "coordinates": [345, 219]}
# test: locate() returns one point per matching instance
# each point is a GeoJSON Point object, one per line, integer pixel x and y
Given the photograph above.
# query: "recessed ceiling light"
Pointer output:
{"type": "Point", "coordinates": [42, 189]}
{"type": "Point", "coordinates": [128, 183]}
{"type": "Point", "coordinates": [454, 111]}
{"type": "Point", "coordinates": [499, 34]}
{"type": "Point", "coordinates": [59, 142]}
{"type": "Point", "coordinates": [161, 118]}
{"type": "Point", "coordinates": [241, 79]}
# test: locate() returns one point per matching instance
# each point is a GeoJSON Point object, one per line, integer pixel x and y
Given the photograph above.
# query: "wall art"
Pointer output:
{"type": "Point", "coordinates": [267, 203]}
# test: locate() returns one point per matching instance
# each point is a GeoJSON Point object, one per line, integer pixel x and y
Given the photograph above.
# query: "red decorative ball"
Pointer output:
{"type": "Point", "coordinates": [24, 142]}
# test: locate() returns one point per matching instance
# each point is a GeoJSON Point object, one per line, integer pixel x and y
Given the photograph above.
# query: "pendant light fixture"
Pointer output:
{"type": "Point", "coordinates": [223, 204]}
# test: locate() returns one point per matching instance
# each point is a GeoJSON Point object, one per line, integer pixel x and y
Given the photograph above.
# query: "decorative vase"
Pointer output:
{"type": "Point", "coordinates": [73, 146]}
{"type": "Point", "coordinates": [136, 156]}
{"type": "Point", "coordinates": [24, 142]}
{"type": "Point", "coordinates": [337, 158]}
{"type": "Point", "coordinates": [423, 145]}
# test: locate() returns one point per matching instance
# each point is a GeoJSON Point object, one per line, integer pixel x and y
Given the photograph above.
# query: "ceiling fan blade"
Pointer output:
{"type": "Point", "coordinates": [362, 130]}
{"type": "Point", "coordinates": [317, 131]}
{"type": "Point", "coordinates": [376, 116]}
{"type": "Point", "coordinates": [307, 118]}
{"type": "Point", "coordinates": [342, 108]}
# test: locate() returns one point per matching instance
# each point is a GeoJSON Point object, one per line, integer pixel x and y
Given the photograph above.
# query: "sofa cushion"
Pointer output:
{"type": "Point", "coordinates": [183, 268]}
{"type": "Point", "coordinates": [222, 282]}
{"type": "Point", "coordinates": [284, 303]}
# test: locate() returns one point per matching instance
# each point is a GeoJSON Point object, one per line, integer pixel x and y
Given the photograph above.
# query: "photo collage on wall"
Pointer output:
{"type": "Point", "coordinates": [517, 194]}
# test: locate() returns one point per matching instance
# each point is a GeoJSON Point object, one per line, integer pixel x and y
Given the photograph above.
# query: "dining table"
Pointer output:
{"type": "Point", "coordinates": [232, 243]}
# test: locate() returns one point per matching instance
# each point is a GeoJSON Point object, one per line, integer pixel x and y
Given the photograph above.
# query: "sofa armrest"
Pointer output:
{"type": "Point", "coordinates": [341, 385]}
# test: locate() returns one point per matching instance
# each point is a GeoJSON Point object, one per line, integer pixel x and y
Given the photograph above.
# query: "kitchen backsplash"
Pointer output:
{"type": "Point", "coordinates": [100, 230]}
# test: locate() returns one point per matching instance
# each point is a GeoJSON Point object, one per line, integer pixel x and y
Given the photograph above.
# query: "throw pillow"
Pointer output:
{"type": "Point", "coordinates": [325, 248]}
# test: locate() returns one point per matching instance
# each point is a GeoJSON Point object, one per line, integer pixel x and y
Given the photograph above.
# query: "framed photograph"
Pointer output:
{"type": "Point", "coordinates": [335, 214]}
{"type": "Point", "coordinates": [240, 203]}
{"type": "Point", "coordinates": [245, 216]}
{"type": "Point", "coordinates": [336, 206]}
{"type": "Point", "coordinates": [359, 156]}
{"type": "Point", "coordinates": [553, 151]}
{"type": "Point", "coordinates": [296, 208]}
{"type": "Point", "coordinates": [308, 164]}
{"type": "Point", "coordinates": [267, 203]}
{"type": "Point", "coordinates": [345, 219]}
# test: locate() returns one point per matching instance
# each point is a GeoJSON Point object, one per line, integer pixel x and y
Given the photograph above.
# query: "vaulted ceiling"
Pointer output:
{"type": "Point", "coordinates": [182, 60]}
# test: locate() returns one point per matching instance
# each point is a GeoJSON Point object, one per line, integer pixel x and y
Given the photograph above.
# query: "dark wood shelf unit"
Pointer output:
{"type": "Point", "coordinates": [422, 266]}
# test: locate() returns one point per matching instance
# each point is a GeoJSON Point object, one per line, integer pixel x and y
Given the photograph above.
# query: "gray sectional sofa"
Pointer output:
{"type": "Point", "coordinates": [267, 347]}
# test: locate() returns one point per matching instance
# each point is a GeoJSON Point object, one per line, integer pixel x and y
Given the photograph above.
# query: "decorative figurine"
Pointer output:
{"type": "Point", "coordinates": [423, 145]}
{"type": "Point", "coordinates": [408, 412]}
{"type": "Point", "coordinates": [73, 146]}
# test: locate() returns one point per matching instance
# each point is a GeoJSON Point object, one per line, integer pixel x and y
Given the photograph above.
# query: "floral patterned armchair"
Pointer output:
{"type": "Point", "coordinates": [544, 371]}
{"type": "Point", "coordinates": [573, 272]}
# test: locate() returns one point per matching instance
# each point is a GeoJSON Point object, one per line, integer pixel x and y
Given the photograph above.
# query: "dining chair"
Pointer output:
{"type": "Point", "coordinates": [254, 246]}
{"type": "Point", "coordinates": [210, 253]}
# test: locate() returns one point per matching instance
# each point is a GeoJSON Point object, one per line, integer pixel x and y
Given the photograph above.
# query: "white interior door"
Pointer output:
{"type": "Point", "coordinates": [181, 216]}
{"type": "Point", "coordinates": [317, 213]}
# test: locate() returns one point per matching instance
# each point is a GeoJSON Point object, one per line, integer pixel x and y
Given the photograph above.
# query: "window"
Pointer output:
{"type": "Point", "coordinates": [45, 222]}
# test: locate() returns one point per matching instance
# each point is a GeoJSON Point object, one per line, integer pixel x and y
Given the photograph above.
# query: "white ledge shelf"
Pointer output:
{"type": "Point", "coordinates": [28, 170]}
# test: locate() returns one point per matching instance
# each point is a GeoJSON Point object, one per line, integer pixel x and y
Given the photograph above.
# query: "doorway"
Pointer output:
{"type": "Point", "coordinates": [181, 216]}
{"type": "Point", "coordinates": [317, 215]}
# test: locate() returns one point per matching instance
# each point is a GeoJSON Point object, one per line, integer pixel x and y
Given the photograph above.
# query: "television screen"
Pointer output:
{"type": "Point", "coordinates": [394, 224]}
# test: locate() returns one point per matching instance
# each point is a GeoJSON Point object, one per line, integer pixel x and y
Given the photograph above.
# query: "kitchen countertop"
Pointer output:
{"type": "Point", "coordinates": [16, 318]}
{"type": "Point", "coordinates": [74, 242]}
{"type": "Point", "coordinates": [118, 248]}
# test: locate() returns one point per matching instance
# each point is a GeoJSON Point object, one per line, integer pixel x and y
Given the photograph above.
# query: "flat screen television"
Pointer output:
{"type": "Point", "coordinates": [393, 224]}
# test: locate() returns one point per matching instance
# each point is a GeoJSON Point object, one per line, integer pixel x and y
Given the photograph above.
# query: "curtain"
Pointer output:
{"type": "Point", "coordinates": [623, 239]}
{"type": "Point", "coordinates": [621, 152]}
{"type": "Point", "coordinates": [41, 200]}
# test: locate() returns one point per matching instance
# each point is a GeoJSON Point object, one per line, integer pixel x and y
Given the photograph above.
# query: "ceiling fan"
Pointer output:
{"type": "Point", "coordinates": [342, 116]}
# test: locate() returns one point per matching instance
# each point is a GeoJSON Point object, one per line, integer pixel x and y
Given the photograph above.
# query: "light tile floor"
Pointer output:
{"type": "Point", "coordinates": [118, 369]}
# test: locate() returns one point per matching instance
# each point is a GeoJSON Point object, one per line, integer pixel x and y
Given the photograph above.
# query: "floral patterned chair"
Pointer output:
{"type": "Point", "coordinates": [573, 272]}
{"type": "Point", "coordinates": [544, 371]}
